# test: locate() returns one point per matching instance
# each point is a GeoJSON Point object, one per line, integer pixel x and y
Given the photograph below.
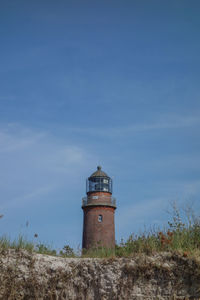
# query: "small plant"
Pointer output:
{"type": "Point", "coordinates": [176, 223]}
{"type": "Point", "coordinates": [166, 239]}
{"type": "Point", "coordinates": [67, 251]}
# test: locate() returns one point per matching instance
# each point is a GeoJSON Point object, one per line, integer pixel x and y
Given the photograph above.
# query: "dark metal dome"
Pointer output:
{"type": "Point", "coordinates": [99, 173]}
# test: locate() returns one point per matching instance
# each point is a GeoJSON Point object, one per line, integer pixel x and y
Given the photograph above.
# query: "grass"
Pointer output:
{"type": "Point", "coordinates": [21, 243]}
{"type": "Point", "coordinates": [99, 252]}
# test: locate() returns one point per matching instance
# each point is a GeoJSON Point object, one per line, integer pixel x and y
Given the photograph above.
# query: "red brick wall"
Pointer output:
{"type": "Point", "coordinates": [101, 197]}
{"type": "Point", "coordinates": [99, 194]}
{"type": "Point", "coordinates": [95, 232]}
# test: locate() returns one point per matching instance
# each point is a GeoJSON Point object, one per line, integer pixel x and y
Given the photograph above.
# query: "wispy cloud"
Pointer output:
{"type": "Point", "coordinates": [165, 122]}
{"type": "Point", "coordinates": [35, 163]}
{"type": "Point", "coordinates": [188, 189]}
{"type": "Point", "coordinates": [9, 142]}
{"type": "Point", "coordinates": [19, 201]}
{"type": "Point", "coordinates": [137, 213]}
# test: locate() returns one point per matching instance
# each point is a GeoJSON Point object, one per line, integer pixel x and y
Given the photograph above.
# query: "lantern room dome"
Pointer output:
{"type": "Point", "coordinates": [99, 173]}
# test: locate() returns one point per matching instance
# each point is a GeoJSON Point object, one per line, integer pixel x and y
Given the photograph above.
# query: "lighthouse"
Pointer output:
{"type": "Point", "coordinates": [98, 212]}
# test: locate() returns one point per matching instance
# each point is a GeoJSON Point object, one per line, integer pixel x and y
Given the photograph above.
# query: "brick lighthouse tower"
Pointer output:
{"type": "Point", "coordinates": [98, 208]}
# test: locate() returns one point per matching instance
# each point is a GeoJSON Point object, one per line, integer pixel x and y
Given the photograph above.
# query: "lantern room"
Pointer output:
{"type": "Point", "coordinates": [99, 181]}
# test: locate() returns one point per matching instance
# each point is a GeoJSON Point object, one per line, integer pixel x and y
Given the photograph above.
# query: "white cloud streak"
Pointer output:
{"type": "Point", "coordinates": [33, 164]}
{"type": "Point", "coordinates": [173, 122]}
{"type": "Point", "coordinates": [137, 213]}
{"type": "Point", "coordinates": [9, 143]}
{"type": "Point", "coordinates": [19, 201]}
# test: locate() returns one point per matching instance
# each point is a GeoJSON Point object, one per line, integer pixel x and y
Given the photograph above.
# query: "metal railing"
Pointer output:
{"type": "Point", "coordinates": [96, 200]}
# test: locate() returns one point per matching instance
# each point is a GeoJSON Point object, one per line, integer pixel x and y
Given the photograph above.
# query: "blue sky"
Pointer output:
{"type": "Point", "coordinates": [84, 83]}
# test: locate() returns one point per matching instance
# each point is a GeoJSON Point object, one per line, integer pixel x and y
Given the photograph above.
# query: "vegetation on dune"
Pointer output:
{"type": "Point", "coordinates": [182, 234]}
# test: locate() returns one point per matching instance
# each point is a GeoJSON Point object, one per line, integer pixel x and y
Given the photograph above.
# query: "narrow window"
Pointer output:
{"type": "Point", "coordinates": [100, 218]}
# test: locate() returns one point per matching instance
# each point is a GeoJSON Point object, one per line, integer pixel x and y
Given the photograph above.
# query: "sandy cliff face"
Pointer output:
{"type": "Point", "coordinates": [36, 276]}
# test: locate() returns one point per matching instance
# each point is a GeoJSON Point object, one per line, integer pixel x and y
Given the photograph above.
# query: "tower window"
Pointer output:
{"type": "Point", "coordinates": [100, 218]}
